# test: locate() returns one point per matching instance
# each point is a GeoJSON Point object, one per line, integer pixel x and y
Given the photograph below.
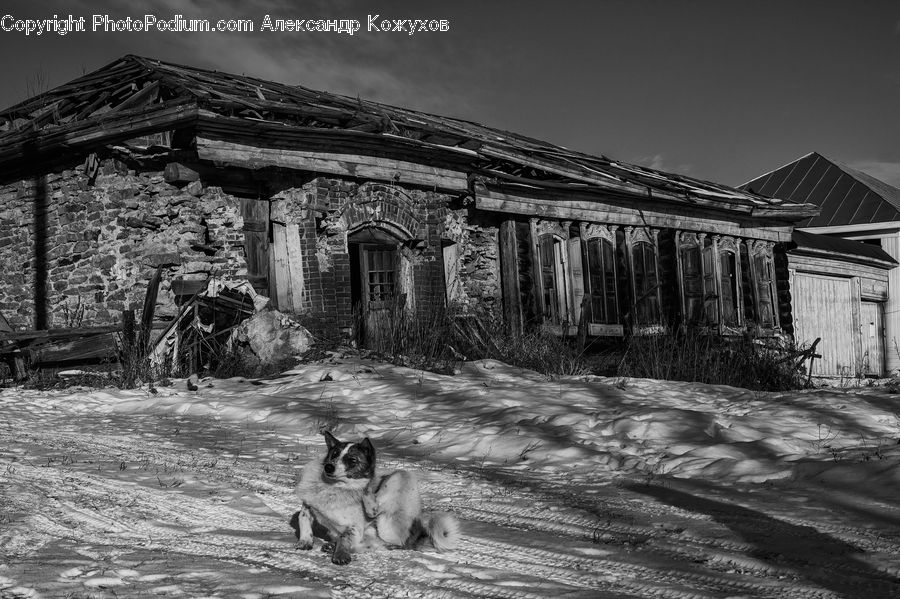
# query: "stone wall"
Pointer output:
{"type": "Point", "coordinates": [477, 237]}
{"type": "Point", "coordinates": [103, 238]}
{"type": "Point", "coordinates": [106, 234]}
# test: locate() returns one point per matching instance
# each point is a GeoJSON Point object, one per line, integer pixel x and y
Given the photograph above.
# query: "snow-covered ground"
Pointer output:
{"type": "Point", "coordinates": [581, 487]}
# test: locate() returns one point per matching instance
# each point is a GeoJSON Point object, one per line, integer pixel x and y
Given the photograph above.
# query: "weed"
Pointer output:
{"type": "Point", "coordinates": [440, 339]}
{"type": "Point", "coordinates": [534, 445]}
{"type": "Point", "coordinates": [694, 356]}
{"type": "Point", "coordinates": [824, 438]}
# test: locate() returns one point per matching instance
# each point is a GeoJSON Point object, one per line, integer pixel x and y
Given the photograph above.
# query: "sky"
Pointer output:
{"type": "Point", "coordinates": [719, 90]}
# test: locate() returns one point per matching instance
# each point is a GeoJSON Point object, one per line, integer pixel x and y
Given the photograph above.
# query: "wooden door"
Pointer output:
{"type": "Point", "coordinates": [822, 308]}
{"type": "Point", "coordinates": [871, 330]}
{"type": "Point", "coordinates": [255, 214]}
{"type": "Point", "coordinates": [287, 288]}
{"type": "Point", "coordinates": [379, 294]}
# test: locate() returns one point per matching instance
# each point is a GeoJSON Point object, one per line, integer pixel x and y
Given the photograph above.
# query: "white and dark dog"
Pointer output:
{"type": "Point", "coordinates": [345, 502]}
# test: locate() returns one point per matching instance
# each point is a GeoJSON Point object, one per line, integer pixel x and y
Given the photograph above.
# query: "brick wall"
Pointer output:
{"type": "Point", "coordinates": [329, 211]}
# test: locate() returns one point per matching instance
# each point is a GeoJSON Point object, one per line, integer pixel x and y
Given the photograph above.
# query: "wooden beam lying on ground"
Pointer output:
{"type": "Point", "coordinates": [58, 333]}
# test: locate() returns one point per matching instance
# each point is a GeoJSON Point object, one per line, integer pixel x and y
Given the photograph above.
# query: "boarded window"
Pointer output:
{"type": "Point", "coordinates": [576, 279]}
{"type": "Point", "coordinates": [765, 290]}
{"type": "Point", "coordinates": [553, 290]}
{"type": "Point", "coordinates": [602, 281]}
{"type": "Point", "coordinates": [729, 288]}
{"type": "Point", "coordinates": [646, 283]}
{"type": "Point", "coordinates": [692, 284]}
{"type": "Point", "coordinates": [710, 289]}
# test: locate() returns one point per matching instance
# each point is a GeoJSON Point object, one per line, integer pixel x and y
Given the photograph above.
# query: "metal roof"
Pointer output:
{"type": "Point", "coordinates": [855, 251]}
{"type": "Point", "coordinates": [846, 195]}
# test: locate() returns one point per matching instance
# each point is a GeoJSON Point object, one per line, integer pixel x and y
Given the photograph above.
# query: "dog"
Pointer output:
{"type": "Point", "coordinates": [344, 501]}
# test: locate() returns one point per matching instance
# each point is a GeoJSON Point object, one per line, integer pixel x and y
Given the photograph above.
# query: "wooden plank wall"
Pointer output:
{"type": "Point", "coordinates": [509, 269]}
{"type": "Point", "coordinates": [288, 288]}
{"type": "Point", "coordinates": [255, 214]}
{"type": "Point", "coordinates": [891, 245]}
{"type": "Point", "coordinates": [823, 307]}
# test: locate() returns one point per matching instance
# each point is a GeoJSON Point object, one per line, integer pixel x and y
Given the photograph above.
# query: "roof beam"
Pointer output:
{"type": "Point", "coordinates": [609, 213]}
{"type": "Point", "coordinates": [223, 152]}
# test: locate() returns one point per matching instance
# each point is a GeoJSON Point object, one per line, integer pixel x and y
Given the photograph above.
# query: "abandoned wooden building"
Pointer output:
{"type": "Point", "coordinates": [329, 204]}
{"type": "Point", "coordinates": [845, 283]}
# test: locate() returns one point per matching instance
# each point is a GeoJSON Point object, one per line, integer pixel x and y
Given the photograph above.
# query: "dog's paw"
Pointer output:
{"type": "Point", "coordinates": [303, 545]}
{"type": "Point", "coordinates": [341, 557]}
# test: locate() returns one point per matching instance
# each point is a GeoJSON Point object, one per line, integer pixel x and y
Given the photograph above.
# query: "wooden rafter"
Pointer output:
{"type": "Point", "coordinates": [133, 85]}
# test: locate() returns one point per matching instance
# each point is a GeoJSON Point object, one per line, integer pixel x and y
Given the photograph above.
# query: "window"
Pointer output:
{"type": "Point", "coordinates": [380, 276]}
{"type": "Point", "coordinates": [646, 285]}
{"type": "Point", "coordinates": [711, 283]}
{"type": "Point", "coordinates": [553, 281]}
{"type": "Point", "coordinates": [603, 304]}
{"type": "Point", "coordinates": [642, 249]}
{"type": "Point", "coordinates": [729, 288]}
{"type": "Point", "coordinates": [693, 284]}
{"type": "Point", "coordinates": [762, 268]}
{"type": "Point", "coordinates": [554, 285]}
{"type": "Point", "coordinates": [721, 276]}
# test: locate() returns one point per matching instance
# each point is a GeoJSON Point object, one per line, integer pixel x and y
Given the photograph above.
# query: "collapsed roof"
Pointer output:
{"type": "Point", "coordinates": [135, 96]}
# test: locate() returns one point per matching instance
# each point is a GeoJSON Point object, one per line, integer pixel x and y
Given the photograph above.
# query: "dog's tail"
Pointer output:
{"type": "Point", "coordinates": [442, 529]}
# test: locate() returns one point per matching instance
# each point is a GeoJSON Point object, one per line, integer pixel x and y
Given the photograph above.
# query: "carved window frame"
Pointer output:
{"type": "Point", "coordinates": [764, 281]}
{"type": "Point", "coordinates": [603, 237]}
{"type": "Point", "coordinates": [635, 238]}
{"type": "Point", "coordinates": [555, 310]}
{"type": "Point", "coordinates": [685, 242]}
{"type": "Point", "coordinates": [723, 247]}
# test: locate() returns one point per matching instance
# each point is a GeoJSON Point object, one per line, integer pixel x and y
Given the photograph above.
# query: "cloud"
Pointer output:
{"type": "Point", "coordinates": [659, 163]}
{"type": "Point", "coordinates": [426, 72]}
{"type": "Point", "coordinates": [889, 172]}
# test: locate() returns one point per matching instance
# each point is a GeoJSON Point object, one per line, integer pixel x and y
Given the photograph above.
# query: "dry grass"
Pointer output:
{"type": "Point", "coordinates": [743, 361]}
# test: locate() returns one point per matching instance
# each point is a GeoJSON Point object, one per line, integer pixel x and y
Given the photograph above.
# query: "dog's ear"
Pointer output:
{"type": "Point", "coordinates": [368, 449]}
{"type": "Point", "coordinates": [330, 440]}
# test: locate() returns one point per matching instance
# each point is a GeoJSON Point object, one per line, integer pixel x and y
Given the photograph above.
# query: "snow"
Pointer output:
{"type": "Point", "coordinates": [583, 487]}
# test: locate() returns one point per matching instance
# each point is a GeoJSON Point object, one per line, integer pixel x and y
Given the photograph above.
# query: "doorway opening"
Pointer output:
{"type": "Point", "coordinates": [377, 292]}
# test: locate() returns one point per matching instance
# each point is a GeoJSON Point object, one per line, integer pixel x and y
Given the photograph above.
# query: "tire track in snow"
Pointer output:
{"type": "Point", "coordinates": [655, 543]}
{"type": "Point", "coordinates": [604, 574]}
{"type": "Point", "coordinates": [695, 560]}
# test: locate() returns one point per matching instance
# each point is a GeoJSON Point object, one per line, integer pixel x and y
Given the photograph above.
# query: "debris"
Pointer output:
{"type": "Point", "coordinates": [196, 339]}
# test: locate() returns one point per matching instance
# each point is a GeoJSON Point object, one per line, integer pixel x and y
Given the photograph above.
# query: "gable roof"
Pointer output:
{"type": "Point", "coordinates": [134, 95]}
{"type": "Point", "coordinates": [846, 195]}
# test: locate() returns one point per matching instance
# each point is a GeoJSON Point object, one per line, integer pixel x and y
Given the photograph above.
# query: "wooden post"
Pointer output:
{"type": "Point", "coordinates": [509, 269]}
{"type": "Point", "coordinates": [149, 311]}
{"type": "Point", "coordinates": [128, 332]}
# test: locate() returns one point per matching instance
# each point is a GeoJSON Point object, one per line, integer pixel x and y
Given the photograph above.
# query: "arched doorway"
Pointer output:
{"type": "Point", "coordinates": [378, 290]}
